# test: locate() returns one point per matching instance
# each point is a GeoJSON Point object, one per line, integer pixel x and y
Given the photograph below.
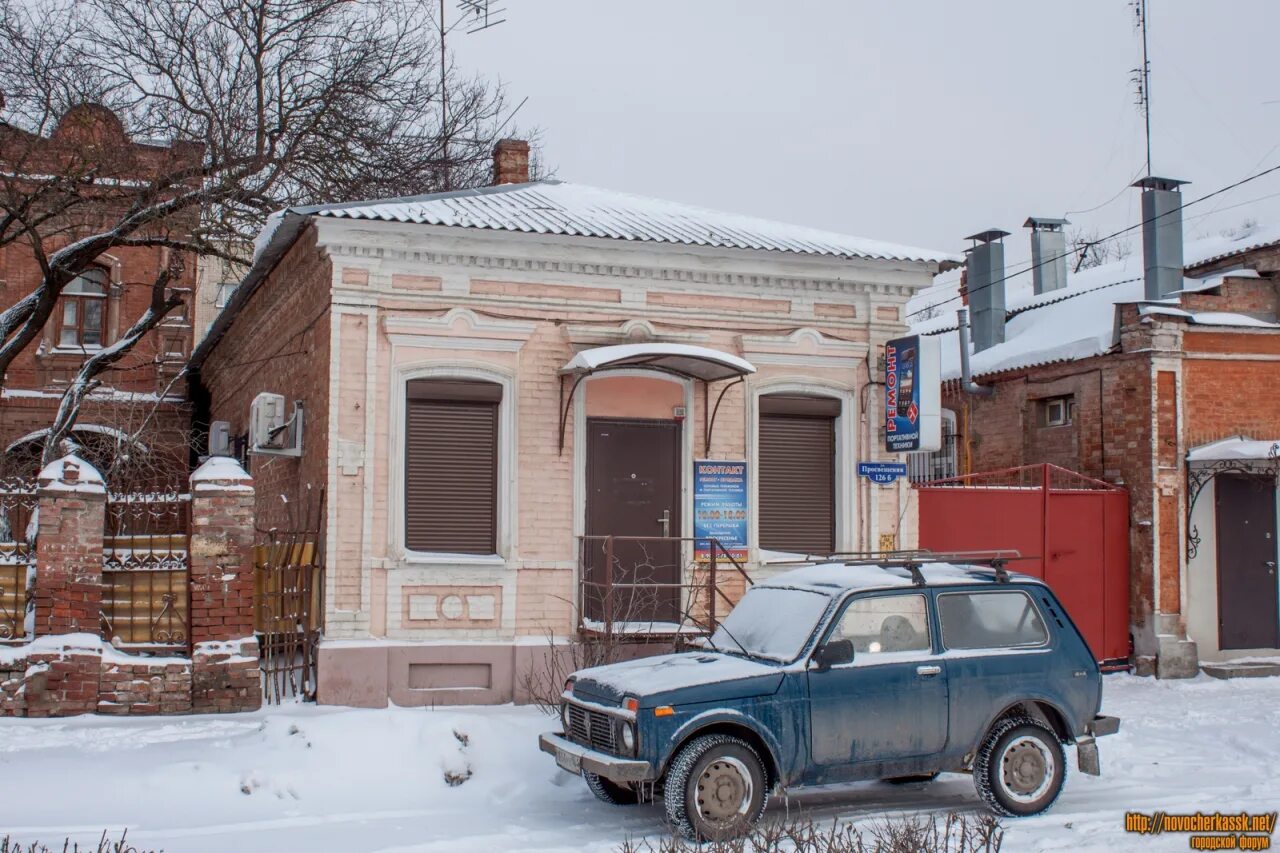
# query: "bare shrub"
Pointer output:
{"type": "Point", "coordinates": [954, 832]}
{"type": "Point", "coordinates": [8, 844]}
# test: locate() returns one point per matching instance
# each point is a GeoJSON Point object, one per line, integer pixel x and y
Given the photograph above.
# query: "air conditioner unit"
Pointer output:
{"type": "Point", "coordinates": [272, 431]}
{"type": "Point", "coordinates": [220, 438]}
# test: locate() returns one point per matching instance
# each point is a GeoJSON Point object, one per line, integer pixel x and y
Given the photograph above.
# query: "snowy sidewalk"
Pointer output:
{"type": "Point", "coordinates": [320, 779]}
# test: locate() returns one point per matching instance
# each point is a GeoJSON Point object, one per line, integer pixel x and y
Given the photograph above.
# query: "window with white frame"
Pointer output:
{"type": "Point", "coordinates": [451, 466]}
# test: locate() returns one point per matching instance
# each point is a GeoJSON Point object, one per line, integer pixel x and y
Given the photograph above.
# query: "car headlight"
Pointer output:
{"type": "Point", "coordinates": [629, 737]}
{"type": "Point", "coordinates": [564, 716]}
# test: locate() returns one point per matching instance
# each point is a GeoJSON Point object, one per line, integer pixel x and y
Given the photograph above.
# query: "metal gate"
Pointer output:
{"type": "Point", "coordinates": [1074, 530]}
{"type": "Point", "coordinates": [289, 607]}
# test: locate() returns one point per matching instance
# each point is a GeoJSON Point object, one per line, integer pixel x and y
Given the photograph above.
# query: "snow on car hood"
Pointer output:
{"type": "Point", "coordinates": [706, 676]}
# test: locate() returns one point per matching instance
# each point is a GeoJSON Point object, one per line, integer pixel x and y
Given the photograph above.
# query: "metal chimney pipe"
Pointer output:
{"type": "Point", "coordinates": [966, 378]}
{"type": "Point", "coordinates": [1161, 236]}
{"type": "Point", "coordinates": [985, 286]}
{"type": "Point", "coordinates": [1048, 253]}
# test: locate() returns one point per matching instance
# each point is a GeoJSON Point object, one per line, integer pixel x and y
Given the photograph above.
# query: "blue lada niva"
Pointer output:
{"type": "Point", "coordinates": [842, 672]}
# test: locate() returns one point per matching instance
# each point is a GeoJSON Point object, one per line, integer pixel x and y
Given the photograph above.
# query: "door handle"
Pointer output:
{"type": "Point", "coordinates": [665, 521]}
{"type": "Point", "coordinates": [928, 671]}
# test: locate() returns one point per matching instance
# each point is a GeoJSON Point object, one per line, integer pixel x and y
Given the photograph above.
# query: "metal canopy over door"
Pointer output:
{"type": "Point", "coordinates": [633, 490]}
{"type": "Point", "coordinates": [1248, 617]}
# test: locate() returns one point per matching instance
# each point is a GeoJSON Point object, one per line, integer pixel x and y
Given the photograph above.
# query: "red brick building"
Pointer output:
{"type": "Point", "coordinates": [1168, 392]}
{"type": "Point", "coordinates": [98, 306]}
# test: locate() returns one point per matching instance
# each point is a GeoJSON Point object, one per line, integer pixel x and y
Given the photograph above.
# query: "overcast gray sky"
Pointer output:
{"type": "Point", "coordinates": [917, 122]}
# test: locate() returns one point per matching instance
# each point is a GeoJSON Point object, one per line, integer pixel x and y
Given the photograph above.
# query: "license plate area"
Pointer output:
{"type": "Point", "coordinates": [569, 761]}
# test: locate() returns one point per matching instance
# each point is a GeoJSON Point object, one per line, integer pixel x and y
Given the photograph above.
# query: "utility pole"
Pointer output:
{"type": "Point", "coordinates": [1142, 76]}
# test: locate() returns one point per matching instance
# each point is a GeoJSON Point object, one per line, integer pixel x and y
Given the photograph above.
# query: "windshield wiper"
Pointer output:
{"type": "Point", "coordinates": [741, 647]}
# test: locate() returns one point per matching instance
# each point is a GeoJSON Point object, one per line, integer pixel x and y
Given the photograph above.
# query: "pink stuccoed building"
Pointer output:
{"type": "Point", "coordinates": [494, 381]}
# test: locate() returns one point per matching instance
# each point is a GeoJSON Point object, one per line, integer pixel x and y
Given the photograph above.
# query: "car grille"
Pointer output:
{"type": "Point", "coordinates": [592, 728]}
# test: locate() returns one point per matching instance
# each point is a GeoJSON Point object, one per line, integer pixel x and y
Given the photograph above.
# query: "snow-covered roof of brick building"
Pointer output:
{"type": "Point", "coordinates": [1079, 321]}
{"type": "Point", "coordinates": [577, 210]}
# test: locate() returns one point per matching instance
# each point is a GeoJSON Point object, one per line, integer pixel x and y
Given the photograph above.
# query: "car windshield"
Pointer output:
{"type": "Point", "coordinates": [771, 622]}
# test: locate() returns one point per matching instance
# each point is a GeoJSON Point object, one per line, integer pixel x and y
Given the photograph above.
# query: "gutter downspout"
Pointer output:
{"type": "Point", "coordinates": [966, 378]}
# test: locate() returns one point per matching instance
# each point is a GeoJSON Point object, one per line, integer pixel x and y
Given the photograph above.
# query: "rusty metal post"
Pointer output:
{"type": "Point", "coordinates": [711, 586]}
{"type": "Point", "coordinates": [1046, 481]}
{"type": "Point", "coordinates": [608, 585]}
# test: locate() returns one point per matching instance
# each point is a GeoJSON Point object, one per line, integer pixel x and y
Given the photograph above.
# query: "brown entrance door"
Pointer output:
{"type": "Point", "coordinates": [633, 490]}
{"type": "Point", "coordinates": [1248, 617]}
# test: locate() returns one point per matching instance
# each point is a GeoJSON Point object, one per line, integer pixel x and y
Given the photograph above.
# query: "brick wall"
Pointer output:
{"type": "Point", "coordinates": [279, 343]}
{"type": "Point", "coordinates": [69, 669]}
{"type": "Point", "coordinates": [38, 375]}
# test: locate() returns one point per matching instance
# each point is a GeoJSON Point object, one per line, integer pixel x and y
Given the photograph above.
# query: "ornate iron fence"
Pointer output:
{"type": "Point", "coordinates": [146, 591]}
{"type": "Point", "coordinates": [17, 556]}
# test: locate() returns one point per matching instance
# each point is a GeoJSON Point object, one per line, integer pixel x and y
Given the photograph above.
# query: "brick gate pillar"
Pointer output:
{"type": "Point", "coordinates": [68, 589]}
{"type": "Point", "coordinates": [224, 653]}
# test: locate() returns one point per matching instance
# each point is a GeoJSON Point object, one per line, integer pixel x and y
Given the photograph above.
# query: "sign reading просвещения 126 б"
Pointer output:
{"type": "Point", "coordinates": [719, 507]}
{"type": "Point", "coordinates": [912, 394]}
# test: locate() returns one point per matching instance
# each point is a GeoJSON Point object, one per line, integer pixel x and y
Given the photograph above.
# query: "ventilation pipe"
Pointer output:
{"type": "Point", "coordinates": [1048, 253]}
{"type": "Point", "coordinates": [985, 282]}
{"type": "Point", "coordinates": [966, 377]}
{"type": "Point", "coordinates": [1161, 236]}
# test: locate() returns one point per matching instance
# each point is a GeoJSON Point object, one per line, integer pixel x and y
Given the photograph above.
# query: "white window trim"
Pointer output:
{"type": "Point", "coordinates": [846, 446]}
{"type": "Point", "coordinates": [506, 509]}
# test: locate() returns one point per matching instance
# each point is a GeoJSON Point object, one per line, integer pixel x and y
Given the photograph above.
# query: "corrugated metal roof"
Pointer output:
{"type": "Point", "coordinates": [557, 207]}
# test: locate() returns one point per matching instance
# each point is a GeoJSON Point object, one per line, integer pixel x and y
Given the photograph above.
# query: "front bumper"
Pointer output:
{"type": "Point", "coordinates": [574, 756]}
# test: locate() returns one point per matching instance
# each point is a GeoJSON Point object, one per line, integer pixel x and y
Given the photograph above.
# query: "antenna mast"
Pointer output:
{"type": "Point", "coordinates": [1142, 76]}
{"type": "Point", "coordinates": [478, 15]}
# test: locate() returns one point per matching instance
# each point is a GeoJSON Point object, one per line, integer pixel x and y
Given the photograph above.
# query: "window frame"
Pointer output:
{"type": "Point", "coordinates": [1046, 405]}
{"type": "Point", "coordinates": [80, 301]}
{"type": "Point", "coordinates": [506, 538]}
{"type": "Point", "coordinates": [846, 442]}
{"type": "Point", "coordinates": [866, 659]}
{"type": "Point", "coordinates": [921, 465]}
{"type": "Point", "coordinates": [1022, 647]}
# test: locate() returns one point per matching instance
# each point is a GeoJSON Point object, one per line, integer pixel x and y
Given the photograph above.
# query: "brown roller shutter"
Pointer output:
{"type": "Point", "coordinates": [797, 475]}
{"type": "Point", "coordinates": [451, 468]}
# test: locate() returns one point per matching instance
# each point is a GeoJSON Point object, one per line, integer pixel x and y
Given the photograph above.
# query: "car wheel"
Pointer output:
{"type": "Point", "coordinates": [1020, 767]}
{"type": "Point", "coordinates": [907, 780]}
{"type": "Point", "coordinates": [715, 788]}
{"type": "Point", "coordinates": [608, 791]}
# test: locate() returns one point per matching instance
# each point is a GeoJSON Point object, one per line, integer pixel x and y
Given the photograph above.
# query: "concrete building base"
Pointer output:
{"type": "Point", "coordinates": [375, 673]}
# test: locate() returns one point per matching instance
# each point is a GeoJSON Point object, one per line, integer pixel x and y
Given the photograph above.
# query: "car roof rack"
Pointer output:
{"type": "Point", "coordinates": [913, 560]}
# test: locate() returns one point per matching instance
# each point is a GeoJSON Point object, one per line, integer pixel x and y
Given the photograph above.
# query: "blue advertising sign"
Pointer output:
{"type": "Point", "coordinates": [882, 473]}
{"type": "Point", "coordinates": [912, 394]}
{"type": "Point", "coordinates": [720, 507]}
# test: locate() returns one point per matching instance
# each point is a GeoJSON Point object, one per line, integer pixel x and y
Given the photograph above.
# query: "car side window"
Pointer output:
{"type": "Point", "coordinates": [990, 620]}
{"type": "Point", "coordinates": [884, 625]}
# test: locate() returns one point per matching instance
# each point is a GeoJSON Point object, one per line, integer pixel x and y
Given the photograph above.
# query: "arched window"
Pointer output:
{"type": "Point", "coordinates": [81, 318]}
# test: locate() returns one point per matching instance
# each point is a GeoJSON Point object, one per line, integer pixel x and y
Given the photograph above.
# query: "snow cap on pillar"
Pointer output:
{"type": "Point", "coordinates": [221, 474]}
{"type": "Point", "coordinates": [71, 474]}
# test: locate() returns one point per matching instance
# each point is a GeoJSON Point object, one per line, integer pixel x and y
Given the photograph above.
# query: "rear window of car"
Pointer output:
{"type": "Point", "coordinates": [990, 620]}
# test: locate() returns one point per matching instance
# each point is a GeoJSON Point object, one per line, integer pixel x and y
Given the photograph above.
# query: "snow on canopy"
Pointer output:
{"type": "Point", "coordinates": [1237, 447]}
{"type": "Point", "coordinates": [578, 210]}
{"type": "Point", "coordinates": [1080, 320]}
{"type": "Point", "coordinates": [698, 362]}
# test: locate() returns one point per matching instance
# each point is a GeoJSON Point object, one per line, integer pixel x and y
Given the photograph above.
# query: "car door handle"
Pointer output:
{"type": "Point", "coordinates": [928, 671]}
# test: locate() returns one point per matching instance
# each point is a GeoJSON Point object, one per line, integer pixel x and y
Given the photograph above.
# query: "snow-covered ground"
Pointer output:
{"type": "Point", "coordinates": [320, 779]}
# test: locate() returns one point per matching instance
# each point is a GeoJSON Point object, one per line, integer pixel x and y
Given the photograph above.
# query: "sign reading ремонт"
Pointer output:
{"type": "Point", "coordinates": [912, 394]}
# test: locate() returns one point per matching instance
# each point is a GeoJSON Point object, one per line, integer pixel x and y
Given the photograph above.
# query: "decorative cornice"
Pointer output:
{"type": "Point", "coordinates": [417, 259]}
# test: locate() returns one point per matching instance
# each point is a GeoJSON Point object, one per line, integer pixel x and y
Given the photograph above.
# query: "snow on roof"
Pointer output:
{"type": "Point", "coordinates": [699, 362]}
{"type": "Point", "coordinates": [557, 207]}
{"type": "Point", "coordinates": [1235, 447]}
{"type": "Point", "coordinates": [837, 577]}
{"type": "Point", "coordinates": [1078, 321]}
